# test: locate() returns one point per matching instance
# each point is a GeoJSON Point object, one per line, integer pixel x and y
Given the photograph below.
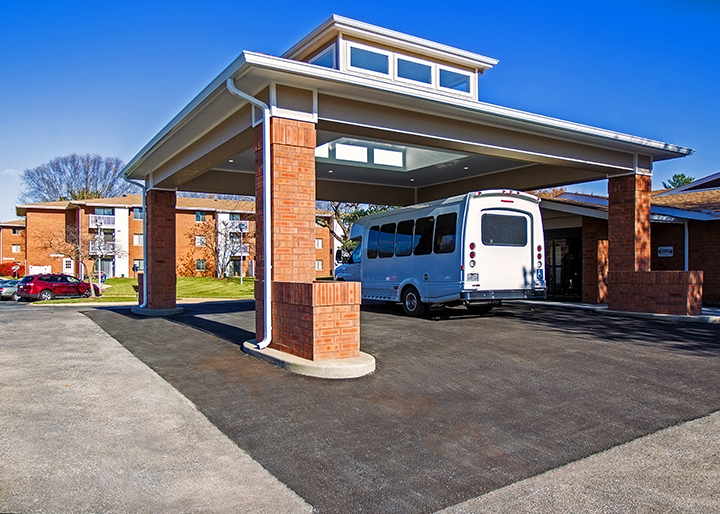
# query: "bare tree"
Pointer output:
{"type": "Point", "coordinates": [220, 243]}
{"type": "Point", "coordinates": [75, 177]}
{"type": "Point", "coordinates": [343, 215]}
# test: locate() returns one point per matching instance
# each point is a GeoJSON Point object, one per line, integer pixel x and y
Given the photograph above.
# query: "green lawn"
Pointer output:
{"type": "Point", "coordinates": [121, 290]}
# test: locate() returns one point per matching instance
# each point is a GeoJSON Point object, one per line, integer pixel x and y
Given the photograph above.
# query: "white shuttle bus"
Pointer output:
{"type": "Point", "coordinates": [474, 250]}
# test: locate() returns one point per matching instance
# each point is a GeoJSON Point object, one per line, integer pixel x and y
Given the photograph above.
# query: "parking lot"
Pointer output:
{"type": "Point", "coordinates": [459, 405]}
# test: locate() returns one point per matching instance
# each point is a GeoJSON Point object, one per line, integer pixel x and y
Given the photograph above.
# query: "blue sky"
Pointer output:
{"type": "Point", "coordinates": [105, 77]}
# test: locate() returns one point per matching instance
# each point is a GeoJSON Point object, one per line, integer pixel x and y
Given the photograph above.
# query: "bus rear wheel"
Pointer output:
{"type": "Point", "coordinates": [412, 305]}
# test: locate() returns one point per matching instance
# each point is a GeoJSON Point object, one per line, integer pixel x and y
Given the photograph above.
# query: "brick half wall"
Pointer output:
{"type": "Point", "coordinates": [658, 292]}
{"type": "Point", "coordinates": [315, 321]}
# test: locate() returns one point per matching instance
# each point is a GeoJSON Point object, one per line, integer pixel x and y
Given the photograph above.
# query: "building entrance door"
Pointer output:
{"type": "Point", "coordinates": [563, 263]}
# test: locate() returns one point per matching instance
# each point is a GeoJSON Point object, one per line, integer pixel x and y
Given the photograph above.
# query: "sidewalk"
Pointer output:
{"type": "Point", "coordinates": [87, 427]}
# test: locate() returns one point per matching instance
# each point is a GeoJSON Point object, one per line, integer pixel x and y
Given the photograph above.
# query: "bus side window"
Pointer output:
{"type": "Point", "coordinates": [423, 241]}
{"type": "Point", "coordinates": [372, 242]}
{"type": "Point", "coordinates": [403, 239]}
{"type": "Point", "coordinates": [445, 233]}
{"type": "Point", "coordinates": [386, 243]}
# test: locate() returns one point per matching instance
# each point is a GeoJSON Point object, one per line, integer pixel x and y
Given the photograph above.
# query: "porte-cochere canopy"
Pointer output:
{"type": "Point", "coordinates": [365, 114]}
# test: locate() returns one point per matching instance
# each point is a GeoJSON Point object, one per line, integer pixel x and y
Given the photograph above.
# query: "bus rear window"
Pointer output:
{"type": "Point", "coordinates": [504, 230]}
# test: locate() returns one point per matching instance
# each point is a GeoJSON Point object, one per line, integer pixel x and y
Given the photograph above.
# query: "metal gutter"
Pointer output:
{"type": "Point", "coordinates": [144, 224]}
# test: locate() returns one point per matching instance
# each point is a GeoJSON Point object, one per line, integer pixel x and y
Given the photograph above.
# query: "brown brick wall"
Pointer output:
{"type": "Point", "coordinates": [324, 254]}
{"type": "Point", "coordinates": [668, 234]}
{"type": "Point", "coordinates": [660, 292]}
{"type": "Point", "coordinates": [705, 256]}
{"type": "Point", "coordinates": [44, 225]}
{"type": "Point", "coordinates": [187, 252]}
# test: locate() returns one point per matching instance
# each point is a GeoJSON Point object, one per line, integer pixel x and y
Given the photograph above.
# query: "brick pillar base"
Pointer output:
{"type": "Point", "coordinates": [594, 261]}
{"type": "Point", "coordinates": [317, 320]}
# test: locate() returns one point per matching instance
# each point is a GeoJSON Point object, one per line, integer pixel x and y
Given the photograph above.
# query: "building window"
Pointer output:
{"type": "Point", "coordinates": [16, 231]}
{"type": "Point", "coordinates": [235, 238]}
{"type": "Point", "coordinates": [318, 243]}
{"type": "Point", "coordinates": [454, 80]}
{"type": "Point", "coordinates": [138, 239]}
{"type": "Point", "coordinates": [201, 241]}
{"type": "Point", "coordinates": [366, 59]}
{"type": "Point", "coordinates": [138, 265]}
{"type": "Point", "coordinates": [199, 216]}
{"type": "Point", "coordinates": [415, 70]}
{"type": "Point", "coordinates": [138, 213]}
{"type": "Point", "coordinates": [200, 265]}
{"type": "Point", "coordinates": [16, 249]}
{"type": "Point", "coordinates": [234, 216]}
{"type": "Point", "coordinates": [318, 265]}
{"type": "Point", "coordinates": [68, 265]}
{"type": "Point", "coordinates": [104, 211]}
{"type": "Point", "coordinates": [326, 58]}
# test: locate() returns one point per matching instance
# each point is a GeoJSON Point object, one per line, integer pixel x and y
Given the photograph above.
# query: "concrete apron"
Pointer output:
{"type": "Point", "coordinates": [87, 427]}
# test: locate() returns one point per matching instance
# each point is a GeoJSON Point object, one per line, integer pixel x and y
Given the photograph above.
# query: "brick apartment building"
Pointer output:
{"type": "Point", "coordinates": [110, 232]}
{"type": "Point", "coordinates": [12, 242]}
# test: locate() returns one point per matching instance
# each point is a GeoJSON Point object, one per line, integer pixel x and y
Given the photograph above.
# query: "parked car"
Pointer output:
{"type": "Point", "coordinates": [8, 290]}
{"type": "Point", "coordinates": [47, 287]}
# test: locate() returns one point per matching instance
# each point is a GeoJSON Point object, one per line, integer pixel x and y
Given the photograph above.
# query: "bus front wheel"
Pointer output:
{"type": "Point", "coordinates": [412, 305]}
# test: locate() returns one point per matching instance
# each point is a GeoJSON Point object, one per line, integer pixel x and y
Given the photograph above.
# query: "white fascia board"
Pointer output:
{"type": "Point", "coordinates": [396, 40]}
{"type": "Point", "coordinates": [681, 213]}
{"type": "Point", "coordinates": [578, 210]}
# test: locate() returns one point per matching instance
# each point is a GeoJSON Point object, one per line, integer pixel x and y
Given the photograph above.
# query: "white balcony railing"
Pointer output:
{"type": "Point", "coordinates": [102, 248]}
{"type": "Point", "coordinates": [99, 220]}
{"type": "Point", "coordinates": [242, 251]}
{"type": "Point", "coordinates": [236, 225]}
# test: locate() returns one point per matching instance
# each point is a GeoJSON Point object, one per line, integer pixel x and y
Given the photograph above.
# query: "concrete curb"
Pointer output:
{"type": "Point", "coordinates": [353, 367]}
{"type": "Point", "coordinates": [145, 311]}
{"type": "Point", "coordinates": [602, 309]}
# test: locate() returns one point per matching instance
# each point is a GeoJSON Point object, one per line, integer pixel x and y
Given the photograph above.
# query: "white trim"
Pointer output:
{"type": "Point", "coordinates": [291, 114]}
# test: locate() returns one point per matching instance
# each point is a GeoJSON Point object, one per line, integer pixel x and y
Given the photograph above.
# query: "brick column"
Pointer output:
{"type": "Point", "coordinates": [160, 265]}
{"type": "Point", "coordinates": [594, 260]}
{"type": "Point", "coordinates": [315, 321]}
{"type": "Point", "coordinates": [629, 223]}
{"type": "Point", "coordinates": [631, 284]}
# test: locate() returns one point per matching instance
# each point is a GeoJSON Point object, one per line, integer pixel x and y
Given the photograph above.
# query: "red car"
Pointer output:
{"type": "Point", "coordinates": [47, 287]}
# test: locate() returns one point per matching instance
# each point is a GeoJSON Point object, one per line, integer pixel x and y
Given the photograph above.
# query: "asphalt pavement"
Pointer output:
{"type": "Point", "coordinates": [526, 409]}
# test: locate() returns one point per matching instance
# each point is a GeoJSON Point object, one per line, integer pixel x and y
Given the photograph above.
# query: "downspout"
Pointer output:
{"type": "Point", "coordinates": [267, 246]}
{"type": "Point", "coordinates": [144, 195]}
{"type": "Point", "coordinates": [687, 246]}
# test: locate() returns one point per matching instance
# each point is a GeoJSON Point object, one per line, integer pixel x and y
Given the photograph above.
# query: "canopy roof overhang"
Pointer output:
{"type": "Point", "coordinates": [456, 144]}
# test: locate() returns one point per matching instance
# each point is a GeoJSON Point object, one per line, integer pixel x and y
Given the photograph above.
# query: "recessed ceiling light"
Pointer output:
{"type": "Point", "coordinates": [412, 180]}
{"type": "Point", "coordinates": [329, 171]}
{"type": "Point", "coordinates": [231, 160]}
{"type": "Point", "coordinates": [465, 168]}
